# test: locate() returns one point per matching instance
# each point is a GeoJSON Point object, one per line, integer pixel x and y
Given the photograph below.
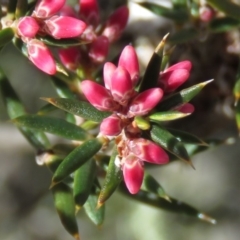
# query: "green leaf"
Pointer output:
{"type": "Point", "coordinates": [111, 181]}
{"type": "Point", "coordinates": [83, 182]}
{"type": "Point", "coordinates": [167, 116]}
{"type": "Point", "coordinates": [6, 35]}
{"type": "Point", "coordinates": [96, 215]}
{"type": "Point", "coordinates": [186, 137]}
{"type": "Point", "coordinates": [46, 109]}
{"type": "Point", "coordinates": [64, 203]}
{"type": "Point", "coordinates": [151, 75]}
{"type": "Point", "coordinates": [79, 108]}
{"type": "Point", "coordinates": [183, 36]}
{"type": "Point", "coordinates": [150, 184]}
{"type": "Point", "coordinates": [229, 8]}
{"type": "Point", "coordinates": [165, 139]}
{"type": "Point", "coordinates": [76, 159]}
{"type": "Point", "coordinates": [21, 9]}
{"type": "Point", "coordinates": [223, 24]}
{"type": "Point", "coordinates": [142, 123]}
{"type": "Point", "coordinates": [173, 205]}
{"type": "Point", "coordinates": [11, 7]}
{"type": "Point", "coordinates": [15, 109]}
{"type": "Point", "coordinates": [64, 43]}
{"type": "Point", "coordinates": [52, 125]}
{"type": "Point", "coordinates": [180, 15]}
{"type": "Point", "coordinates": [181, 97]}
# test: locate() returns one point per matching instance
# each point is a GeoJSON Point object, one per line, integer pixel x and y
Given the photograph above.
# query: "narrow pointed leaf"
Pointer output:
{"type": "Point", "coordinates": [21, 9]}
{"type": "Point", "coordinates": [11, 7]}
{"type": "Point", "coordinates": [165, 139]}
{"type": "Point", "coordinates": [63, 149]}
{"type": "Point", "coordinates": [83, 182]}
{"type": "Point", "coordinates": [15, 109]}
{"type": "Point", "coordinates": [64, 203]}
{"type": "Point", "coordinates": [186, 137]}
{"type": "Point", "coordinates": [6, 35]}
{"type": "Point", "coordinates": [142, 123]}
{"type": "Point", "coordinates": [183, 36]}
{"type": "Point", "coordinates": [181, 97]}
{"type": "Point", "coordinates": [52, 125]}
{"type": "Point", "coordinates": [96, 215]}
{"type": "Point", "coordinates": [180, 15]}
{"type": "Point", "coordinates": [223, 24]}
{"type": "Point", "coordinates": [150, 184]}
{"type": "Point", "coordinates": [111, 181]}
{"type": "Point", "coordinates": [46, 109]}
{"type": "Point", "coordinates": [79, 108]}
{"type": "Point", "coordinates": [237, 114]}
{"type": "Point", "coordinates": [173, 205]}
{"type": "Point", "coordinates": [64, 43]}
{"type": "Point", "coordinates": [76, 159]}
{"type": "Point", "coordinates": [62, 88]}
{"type": "Point", "coordinates": [151, 75]}
{"type": "Point", "coordinates": [167, 116]}
{"type": "Point", "coordinates": [229, 8]}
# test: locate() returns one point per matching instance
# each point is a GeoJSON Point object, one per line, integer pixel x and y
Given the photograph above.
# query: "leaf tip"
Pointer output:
{"type": "Point", "coordinates": [53, 184]}
{"type": "Point", "coordinates": [207, 218]}
{"type": "Point", "coordinates": [99, 204]}
{"type": "Point", "coordinates": [77, 209]}
{"type": "Point", "coordinates": [76, 236]}
{"type": "Point", "coordinates": [160, 46]}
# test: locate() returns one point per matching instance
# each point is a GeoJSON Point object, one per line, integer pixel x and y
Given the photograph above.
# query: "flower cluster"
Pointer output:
{"type": "Point", "coordinates": [120, 97]}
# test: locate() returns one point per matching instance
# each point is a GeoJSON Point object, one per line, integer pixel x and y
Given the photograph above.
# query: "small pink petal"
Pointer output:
{"type": "Point", "coordinates": [41, 57]}
{"type": "Point", "coordinates": [97, 95]}
{"type": "Point", "coordinates": [206, 13]}
{"type": "Point", "coordinates": [121, 86]}
{"type": "Point", "coordinates": [148, 151]}
{"type": "Point", "coordinates": [185, 108]}
{"type": "Point", "coordinates": [116, 23]}
{"type": "Point", "coordinates": [68, 11]}
{"type": "Point", "coordinates": [145, 102]}
{"type": "Point", "coordinates": [70, 57]}
{"type": "Point", "coordinates": [111, 126]}
{"type": "Point", "coordinates": [27, 27]}
{"type": "Point", "coordinates": [47, 8]}
{"type": "Point", "coordinates": [187, 65]}
{"type": "Point", "coordinates": [89, 11]}
{"type": "Point", "coordinates": [108, 71]}
{"type": "Point", "coordinates": [99, 49]}
{"type": "Point", "coordinates": [128, 60]}
{"type": "Point", "coordinates": [173, 79]}
{"type": "Point", "coordinates": [64, 27]}
{"type": "Point", "coordinates": [133, 173]}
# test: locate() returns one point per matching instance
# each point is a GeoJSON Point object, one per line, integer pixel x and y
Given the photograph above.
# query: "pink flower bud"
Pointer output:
{"type": "Point", "coordinates": [173, 79]}
{"type": "Point", "coordinates": [41, 57]}
{"type": "Point", "coordinates": [206, 13]}
{"type": "Point", "coordinates": [47, 8]}
{"type": "Point", "coordinates": [70, 57]}
{"type": "Point", "coordinates": [111, 126]}
{"type": "Point", "coordinates": [121, 86]}
{"type": "Point", "coordinates": [97, 95]}
{"type": "Point", "coordinates": [27, 27]}
{"type": "Point", "coordinates": [148, 151]}
{"type": "Point", "coordinates": [108, 71]}
{"type": "Point", "coordinates": [116, 23]}
{"type": "Point", "coordinates": [185, 108]}
{"type": "Point", "coordinates": [89, 11]}
{"type": "Point", "coordinates": [64, 27]}
{"type": "Point", "coordinates": [133, 173]}
{"type": "Point", "coordinates": [68, 11]}
{"type": "Point", "coordinates": [145, 102]}
{"type": "Point", "coordinates": [99, 49]}
{"type": "Point", "coordinates": [181, 65]}
{"type": "Point", "coordinates": [128, 60]}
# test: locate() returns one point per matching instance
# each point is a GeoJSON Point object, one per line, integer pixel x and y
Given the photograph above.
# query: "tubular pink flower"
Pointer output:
{"type": "Point", "coordinates": [41, 57]}
{"type": "Point", "coordinates": [173, 79]}
{"type": "Point", "coordinates": [64, 27]}
{"type": "Point", "coordinates": [116, 23]}
{"type": "Point", "coordinates": [128, 60]}
{"type": "Point", "coordinates": [148, 151]}
{"type": "Point", "coordinates": [111, 126]}
{"type": "Point", "coordinates": [108, 71]}
{"type": "Point", "coordinates": [121, 86]}
{"type": "Point", "coordinates": [181, 65]}
{"type": "Point", "coordinates": [97, 95]}
{"type": "Point", "coordinates": [99, 49]}
{"type": "Point", "coordinates": [70, 57]}
{"type": "Point", "coordinates": [185, 108]}
{"type": "Point", "coordinates": [47, 8]}
{"type": "Point", "coordinates": [27, 27]}
{"type": "Point", "coordinates": [89, 11]}
{"type": "Point", "coordinates": [145, 102]}
{"type": "Point", "coordinates": [133, 173]}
